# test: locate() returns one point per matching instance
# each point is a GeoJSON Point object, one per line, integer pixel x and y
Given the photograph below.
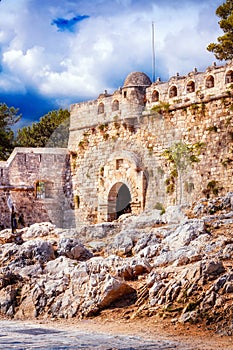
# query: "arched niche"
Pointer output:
{"type": "Point", "coordinates": [172, 91]}
{"type": "Point", "coordinates": [190, 86]}
{"type": "Point", "coordinates": [155, 96]}
{"type": "Point", "coordinates": [209, 83]}
{"type": "Point", "coordinates": [229, 77]}
{"type": "Point", "coordinates": [115, 105]}
{"type": "Point", "coordinates": [100, 108]}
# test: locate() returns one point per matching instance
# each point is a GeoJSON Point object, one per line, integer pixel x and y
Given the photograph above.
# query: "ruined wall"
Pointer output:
{"type": "Point", "coordinates": [36, 179]}
{"type": "Point", "coordinates": [128, 148]}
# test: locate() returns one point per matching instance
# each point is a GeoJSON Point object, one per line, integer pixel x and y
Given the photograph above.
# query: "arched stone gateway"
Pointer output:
{"type": "Point", "coordinates": [122, 187]}
{"type": "Point", "coordinates": [119, 201]}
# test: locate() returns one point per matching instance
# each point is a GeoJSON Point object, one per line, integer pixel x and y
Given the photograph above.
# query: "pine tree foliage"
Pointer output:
{"type": "Point", "coordinates": [223, 50]}
{"type": "Point", "coordinates": [8, 117]}
{"type": "Point", "coordinates": [51, 131]}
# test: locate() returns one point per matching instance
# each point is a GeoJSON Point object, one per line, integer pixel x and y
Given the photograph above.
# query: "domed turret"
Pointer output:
{"type": "Point", "coordinates": [137, 79]}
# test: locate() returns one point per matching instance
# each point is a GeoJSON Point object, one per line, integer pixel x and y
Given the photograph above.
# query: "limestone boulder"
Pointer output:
{"type": "Point", "coordinates": [174, 215]}
{"type": "Point", "coordinates": [148, 218]}
{"type": "Point", "coordinates": [122, 243]}
{"type": "Point", "coordinates": [39, 230]}
{"type": "Point", "coordinates": [60, 266]}
{"type": "Point", "coordinates": [73, 249]}
{"type": "Point", "coordinates": [98, 231]}
{"type": "Point", "coordinates": [184, 234]}
{"type": "Point", "coordinates": [212, 268]}
{"type": "Point", "coordinates": [6, 236]}
{"type": "Point", "coordinates": [114, 289]}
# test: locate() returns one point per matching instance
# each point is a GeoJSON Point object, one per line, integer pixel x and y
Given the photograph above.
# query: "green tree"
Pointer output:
{"type": "Point", "coordinates": [8, 117]}
{"type": "Point", "coordinates": [180, 156]}
{"type": "Point", "coordinates": [223, 50]}
{"type": "Point", "coordinates": [51, 131]}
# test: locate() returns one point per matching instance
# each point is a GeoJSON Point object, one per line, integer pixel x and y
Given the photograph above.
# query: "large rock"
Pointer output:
{"type": "Point", "coordinates": [39, 230]}
{"type": "Point", "coordinates": [184, 234]}
{"type": "Point", "coordinates": [113, 290]}
{"type": "Point", "coordinates": [73, 249]}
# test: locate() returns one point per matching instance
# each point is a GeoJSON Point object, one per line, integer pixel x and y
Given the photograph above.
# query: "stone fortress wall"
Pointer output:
{"type": "Point", "coordinates": [118, 141]}
{"type": "Point", "coordinates": [115, 162]}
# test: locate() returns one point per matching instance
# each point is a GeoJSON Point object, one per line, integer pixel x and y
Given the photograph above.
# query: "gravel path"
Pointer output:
{"type": "Point", "coordinates": [24, 336]}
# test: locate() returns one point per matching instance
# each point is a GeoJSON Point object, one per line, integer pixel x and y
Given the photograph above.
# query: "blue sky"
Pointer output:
{"type": "Point", "coordinates": [57, 52]}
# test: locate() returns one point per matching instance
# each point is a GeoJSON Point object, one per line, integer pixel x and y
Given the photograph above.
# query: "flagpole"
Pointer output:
{"type": "Point", "coordinates": [153, 53]}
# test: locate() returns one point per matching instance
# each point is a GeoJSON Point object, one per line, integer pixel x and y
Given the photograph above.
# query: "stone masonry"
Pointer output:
{"type": "Point", "coordinates": [119, 141]}
{"type": "Point", "coordinates": [37, 181]}
{"type": "Point", "coordinates": [118, 154]}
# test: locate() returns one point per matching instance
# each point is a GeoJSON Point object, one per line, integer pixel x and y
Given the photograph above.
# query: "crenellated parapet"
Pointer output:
{"type": "Point", "coordinates": [138, 95]}
{"type": "Point", "coordinates": [195, 87]}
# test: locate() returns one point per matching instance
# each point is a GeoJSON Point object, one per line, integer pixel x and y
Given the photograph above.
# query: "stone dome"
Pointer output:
{"type": "Point", "coordinates": [137, 79]}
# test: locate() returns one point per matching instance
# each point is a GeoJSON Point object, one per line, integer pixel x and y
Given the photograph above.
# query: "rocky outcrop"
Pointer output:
{"type": "Point", "coordinates": [178, 264]}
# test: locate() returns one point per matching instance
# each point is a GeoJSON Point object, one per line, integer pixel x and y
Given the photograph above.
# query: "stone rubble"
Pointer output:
{"type": "Point", "coordinates": [177, 265]}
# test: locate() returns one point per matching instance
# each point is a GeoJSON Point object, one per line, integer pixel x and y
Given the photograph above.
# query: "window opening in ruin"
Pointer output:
{"type": "Point", "coordinates": [101, 108]}
{"type": "Point", "coordinates": [115, 105]}
{"type": "Point", "coordinates": [229, 77]}
{"type": "Point", "coordinates": [119, 163]}
{"type": "Point", "coordinates": [1, 172]}
{"type": "Point", "coordinates": [39, 158]}
{"type": "Point", "coordinates": [40, 190]}
{"type": "Point", "coordinates": [44, 189]}
{"type": "Point", "coordinates": [209, 83]}
{"type": "Point", "coordinates": [125, 94]}
{"type": "Point", "coordinates": [190, 87]}
{"type": "Point", "coordinates": [173, 91]}
{"type": "Point", "coordinates": [155, 96]}
{"type": "Point", "coordinates": [119, 200]}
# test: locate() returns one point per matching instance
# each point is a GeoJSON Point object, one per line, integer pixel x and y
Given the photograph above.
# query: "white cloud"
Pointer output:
{"type": "Point", "coordinates": [104, 48]}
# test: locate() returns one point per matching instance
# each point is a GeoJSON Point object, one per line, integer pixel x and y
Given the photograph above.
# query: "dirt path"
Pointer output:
{"type": "Point", "coordinates": [111, 332]}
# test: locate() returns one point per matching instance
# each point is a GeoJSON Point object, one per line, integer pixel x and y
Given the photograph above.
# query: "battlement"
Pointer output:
{"type": "Point", "coordinates": [138, 95]}
{"type": "Point", "coordinates": [195, 87]}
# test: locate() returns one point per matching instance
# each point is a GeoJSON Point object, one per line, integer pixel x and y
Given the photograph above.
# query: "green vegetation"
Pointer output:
{"type": "Point", "coordinates": [51, 131]}
{"type": "Point", "coordinates": [212, 187]}
{"type": "Point", "coordinates": [8, 117]}
{"type": "Point", "coordinates": [159, 206]}
{"type": "Point", "coordinates": [161, 107]}
{"type": "Point", "coordinates": [223, 50]}
{"type": "Point", "coordinates": [212, 128]}
{"type": "Point", "coordinates": [103, 127]}
{"type": "Point", "coordinates": [180, 155]}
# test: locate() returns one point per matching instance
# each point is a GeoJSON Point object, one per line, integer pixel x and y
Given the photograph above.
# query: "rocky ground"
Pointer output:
{"type": "Point", "coordinates": [176, 266]}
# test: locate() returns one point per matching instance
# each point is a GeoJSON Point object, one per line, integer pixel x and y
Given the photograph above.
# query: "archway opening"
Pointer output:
{"type": "Point", "coordinates": [119, 200]}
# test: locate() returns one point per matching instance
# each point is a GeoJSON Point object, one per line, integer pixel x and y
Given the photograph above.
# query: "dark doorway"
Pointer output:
{"type": "Point", "coordinates": [119, 199]}
{"type": "Point", "coordinates": [123, 201]}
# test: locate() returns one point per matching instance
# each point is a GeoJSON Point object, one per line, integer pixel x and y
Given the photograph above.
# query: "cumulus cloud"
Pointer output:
{"type": "Point", "coordinates": [75, 49]}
